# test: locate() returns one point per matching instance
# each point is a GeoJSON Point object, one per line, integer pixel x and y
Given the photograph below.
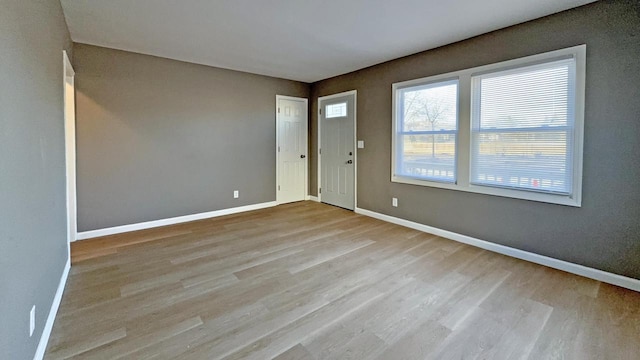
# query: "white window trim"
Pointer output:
{"type": "Point", "coordinates": [463, 144]}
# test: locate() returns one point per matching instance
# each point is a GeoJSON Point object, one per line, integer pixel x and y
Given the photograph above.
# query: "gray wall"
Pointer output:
{"type": "Point", "coordinates": [605, 232]}
{"type": "Point", "coordinates": [33, 245]}
{"type": "Point", "coordinates": [159, 138]}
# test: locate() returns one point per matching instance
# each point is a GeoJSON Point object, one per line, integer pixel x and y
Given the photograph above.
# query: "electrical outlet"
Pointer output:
{"type": "Point", "coordinates": [236, 194]}
{"type": "Point", "coordinates": [32, 320]}
{"type": "Point", "coordinates": [360, 144]}
{"type": "Point", "coordinates": [394, 202]}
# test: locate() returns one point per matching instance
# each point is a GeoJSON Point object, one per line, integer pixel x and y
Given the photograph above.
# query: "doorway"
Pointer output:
{"type": "Point", "coordinates": [291, 149]}
{"type": "Point", "coordinates": [337, 154]}
{"type": "Point", "coordinates": [70, 146]}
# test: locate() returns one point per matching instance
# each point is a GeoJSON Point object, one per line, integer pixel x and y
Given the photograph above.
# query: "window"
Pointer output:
{"type": "Point", "coordinates": [336, 110]}
{"type": "Point", "coordinates": [522, 127]}
{"type": "Point", "coordinates": [427, 127]}
{"type": "Point", "coordinates": [510, 129]}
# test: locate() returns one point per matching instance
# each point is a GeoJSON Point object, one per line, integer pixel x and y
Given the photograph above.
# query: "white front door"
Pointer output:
{"type": "Point", "coordinates": [337, 150]}
{"type": "Point", "coordinates": [291, 149]}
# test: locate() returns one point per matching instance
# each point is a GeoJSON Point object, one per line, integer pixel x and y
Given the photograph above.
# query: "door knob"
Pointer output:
{"type": "Point", "coordinates": [349, 161]}
{"type": "Point", "coordinates": [303, 156]}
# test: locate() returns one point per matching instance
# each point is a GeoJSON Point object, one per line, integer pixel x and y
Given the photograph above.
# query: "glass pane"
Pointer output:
{"type": "Point", "coordinates": [430, 107]}
{"type": "Point", "coordinates": [529, 160]}
{"type": "Point", "coordinates": [429, 157]}
{"type": "Point", "coordinates": [336, 110]}
{"type": "Point", "coordinates": [535, 96]}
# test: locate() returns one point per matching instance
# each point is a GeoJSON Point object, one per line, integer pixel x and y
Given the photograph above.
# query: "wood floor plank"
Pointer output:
{"type": "Point", "coordinates": [297, 352]}
{"type": "Point", "coordinates": [339, 338]}
{"type": "Point", "coordinates": [84, 346]}
{"type": "Point", "coordinates": [279, 341]}
{"type": "Point", "coordinates": [123, 348]}
{"type": "Point", "coordinates": [416, 344]}
{"type": "Point", "coordinates": [311, 281]}
{"type": "Point", "coordinates": [220, 331]}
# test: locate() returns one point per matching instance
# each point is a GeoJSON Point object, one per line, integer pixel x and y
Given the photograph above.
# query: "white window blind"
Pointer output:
{"type": "Point", "coordinates": [522, 125]}
{"type": "Point", "coordinates": [426, 131]}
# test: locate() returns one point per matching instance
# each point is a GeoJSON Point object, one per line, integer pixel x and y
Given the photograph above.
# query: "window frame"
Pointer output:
{"type": "Point", "coordinates": [418, 83]}
{"type": "Point", "coordinates": [464, 133]}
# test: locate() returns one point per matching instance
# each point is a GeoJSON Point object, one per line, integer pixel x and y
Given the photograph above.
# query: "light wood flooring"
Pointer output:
{"type": "Point", "coordinates": [311, 281]}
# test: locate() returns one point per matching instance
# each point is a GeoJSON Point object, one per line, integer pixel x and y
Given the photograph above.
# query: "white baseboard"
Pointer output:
{"type": "Point", "coordinates": [48, 326]}
{"type": "Point", "coordinates": [313, 198]}
{"type": "Point", "coordinates": [607, 277]}
{"type": "Point", "coordinates": [171, 221]}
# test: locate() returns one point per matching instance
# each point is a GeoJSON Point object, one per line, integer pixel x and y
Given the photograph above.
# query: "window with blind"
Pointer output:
{"type": "Point", "coordinates": [522, 125]}
{"type": "Point", "coordinates": [510, 129]}
{"type": "Point", "coordinates": [426, 131]}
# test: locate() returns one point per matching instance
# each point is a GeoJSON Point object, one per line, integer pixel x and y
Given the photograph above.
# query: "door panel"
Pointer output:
{"type": "Point", "coordinates": [337, 155]}
{"type": "Point", "coordinates": [292, 150]}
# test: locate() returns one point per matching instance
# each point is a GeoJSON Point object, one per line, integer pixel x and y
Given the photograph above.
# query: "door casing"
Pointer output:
{"type": "Point", "coordinates": [355, 142]}
{"type": "Point", "coordinates": [68, 83]}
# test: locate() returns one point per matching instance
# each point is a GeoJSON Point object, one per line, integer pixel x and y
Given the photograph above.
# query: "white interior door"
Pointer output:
{"type": "Point", "coordinates": [70, 147]}
{"type": "Point", "coordinates": [337, 150]}
{"type": "Point", "coordinates": [291, 149]}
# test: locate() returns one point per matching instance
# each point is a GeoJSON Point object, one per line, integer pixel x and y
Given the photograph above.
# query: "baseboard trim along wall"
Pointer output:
{"type": "Point", "coordinates": [607, 277]}
{"type": "Point", "coordinates": [48, 326]}
{"type": "Point", "coordinates": [171, 221]}
{"type": "Point", "coordinates": [313, 198]}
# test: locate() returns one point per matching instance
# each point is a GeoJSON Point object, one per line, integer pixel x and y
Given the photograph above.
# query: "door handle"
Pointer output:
{"type": "Point", "coordinates": [303, 156]}
{"type": "Point", "coordinates": [349, 161]}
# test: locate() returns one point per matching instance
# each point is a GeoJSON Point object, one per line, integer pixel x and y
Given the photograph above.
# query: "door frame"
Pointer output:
{"type": "Point", "coordinates": [355, 143]}
{"type": "Point", "coordinates": [68, 78]}
{"type": "Point", "coordinates": [306, 134]}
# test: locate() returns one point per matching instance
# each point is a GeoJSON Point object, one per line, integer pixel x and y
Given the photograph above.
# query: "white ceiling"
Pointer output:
{"type": "Point", "coordinates": [302, 40]}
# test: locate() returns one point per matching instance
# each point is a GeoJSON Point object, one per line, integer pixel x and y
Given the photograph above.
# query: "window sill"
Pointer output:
{"type": "Point", "coordinates": [567, 200]}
